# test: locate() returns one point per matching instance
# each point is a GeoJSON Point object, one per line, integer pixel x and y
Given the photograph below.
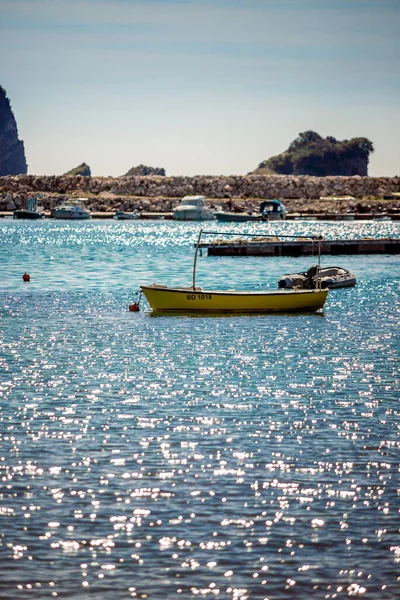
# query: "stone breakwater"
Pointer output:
{"type": "Point", "coordinates": [162, 193]}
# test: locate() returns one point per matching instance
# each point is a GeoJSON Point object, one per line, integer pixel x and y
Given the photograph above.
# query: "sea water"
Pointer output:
{"type": "Point", "coordinates": [205, 456]}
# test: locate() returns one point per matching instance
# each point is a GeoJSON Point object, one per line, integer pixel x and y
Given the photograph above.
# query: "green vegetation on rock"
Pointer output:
{"type": "Point", "coordinates": [143, 170]}
{"type": "Point", "coordinates": [82, 169]}
{"type": "Point", "coordinates": [311, 154]}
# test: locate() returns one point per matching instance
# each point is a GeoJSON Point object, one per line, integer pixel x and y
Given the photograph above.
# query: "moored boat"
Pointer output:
{"type": "Point", "coordinates": [72, 209]}
{"type": "Point", "coordinates": [196, 299]}
{"type": "Point", "coordinates": [236, 217]}
{"type": "Point", "coordinates": [326, 277]}
{"type": "Point", "coordinates": [30, 212]}
{"type": "Point", "coordinates": [162, 298]}
{"type": "Point", "coordinates": [345, 217]}
{"type": "Point", "coordinates": [270, 210]}
{"type": "Point", "coordinates": [193, 208]}
{"type": "Point", "coordinates": [120, 215]}
{"type": "Point", "coordinates": [383, 217]}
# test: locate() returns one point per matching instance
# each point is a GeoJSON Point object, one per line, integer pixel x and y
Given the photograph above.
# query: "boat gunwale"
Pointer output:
{"type": "Point", "coordinates": [232, 292]}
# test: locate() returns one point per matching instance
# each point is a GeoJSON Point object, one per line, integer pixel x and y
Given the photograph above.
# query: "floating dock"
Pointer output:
{"type": "Point", "coordinates": [276, 247]}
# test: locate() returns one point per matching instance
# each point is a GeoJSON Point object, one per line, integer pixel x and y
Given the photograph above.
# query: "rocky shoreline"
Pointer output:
{"type": "Point", "coordinates": [301, 194]}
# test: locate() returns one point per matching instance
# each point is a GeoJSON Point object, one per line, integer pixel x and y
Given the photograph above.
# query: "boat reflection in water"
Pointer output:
{"type": "Point", "coordinates": [196, 299]}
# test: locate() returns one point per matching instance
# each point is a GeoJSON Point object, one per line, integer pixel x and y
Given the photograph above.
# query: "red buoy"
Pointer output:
{"type": "Point", "coordinates": [134, 307]}
{"type": "Point", "coordinates": [26, 277]}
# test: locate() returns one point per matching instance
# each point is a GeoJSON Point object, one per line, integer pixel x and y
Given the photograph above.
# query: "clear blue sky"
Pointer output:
{"type": "Point", "coordinates": [198, 86]}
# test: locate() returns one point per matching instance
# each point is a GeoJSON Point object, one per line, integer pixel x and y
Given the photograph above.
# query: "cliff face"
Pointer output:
{"type": "Point", "coordinates": [12, 153]}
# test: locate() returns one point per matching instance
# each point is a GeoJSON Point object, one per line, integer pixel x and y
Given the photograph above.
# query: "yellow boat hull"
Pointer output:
{"type": "Point", "coordinates": [164, 299]}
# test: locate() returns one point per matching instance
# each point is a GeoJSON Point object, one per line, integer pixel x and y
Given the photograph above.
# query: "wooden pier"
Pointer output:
{"type": "Point", "coordinates": [276, 247]}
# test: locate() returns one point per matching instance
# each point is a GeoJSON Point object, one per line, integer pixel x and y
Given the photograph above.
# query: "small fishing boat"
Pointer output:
{"type": "Point", "coordinates": [327, 277]}
{"type": "Point", "coordinates": [162, 298]}
{"type": "Point", "coordinates": [30, 212]}
{"type": "Point", "coordinates": [193, 208]}
{"type": "Point", "coordinates": [270, 210]}
{"type": "Point", "coordinates": [196, 299]}
{"type": "Point", "coordinates": [383, 217]}
{"type": "Point", "coordinates": [120, 215]}
{"type": "Point", "coordinates": [72, 209]}
{"type": "Point", "coordinates": [345, 217]}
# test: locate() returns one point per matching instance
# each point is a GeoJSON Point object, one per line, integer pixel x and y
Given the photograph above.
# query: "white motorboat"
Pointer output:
{"type": "Point", "coordinates": [193, 208]}
{"type": "Point", "coordinates": [72, 209]}
{"type": "Point", "coordinates": [125, 216]}
{"type": "Point", "coordinates": [330, 277]}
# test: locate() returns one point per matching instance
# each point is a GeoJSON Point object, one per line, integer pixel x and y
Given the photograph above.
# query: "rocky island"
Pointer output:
{"type": "Point", "coordinates": [311, 154]}
{"type": "Point", "coordinates": [143, 170]}
{"type": "Point", "coordinates": [82, 169]}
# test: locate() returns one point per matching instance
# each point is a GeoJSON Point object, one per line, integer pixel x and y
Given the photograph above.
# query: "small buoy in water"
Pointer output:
{"type": "Point", "coordinates": [134, 307]}
{"type": "Point", "coordinates": [26, 277]}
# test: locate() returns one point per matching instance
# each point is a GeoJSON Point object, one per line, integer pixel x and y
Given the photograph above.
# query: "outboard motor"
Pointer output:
{"type": "Point", "coordinates": [310, 274]}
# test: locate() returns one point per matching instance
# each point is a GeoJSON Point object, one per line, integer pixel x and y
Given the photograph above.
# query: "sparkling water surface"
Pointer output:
{"type": "Point", "coordinates": [209, 456]}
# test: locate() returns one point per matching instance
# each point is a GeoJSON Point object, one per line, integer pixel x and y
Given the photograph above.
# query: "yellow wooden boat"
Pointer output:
{"type": "Point", "coordinates": [195, 299]}
{"type": "Point", "coordinates": [163, 298]}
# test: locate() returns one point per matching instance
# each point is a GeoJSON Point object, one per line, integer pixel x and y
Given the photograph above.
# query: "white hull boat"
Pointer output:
{"type": "Point", "coordinates": [125, 216]}
{"type": "Point", "coordinates": [329, 277]}
{"type": "Point", "coordinates": [72, 210]}
{"type": "Point", "coordinates": [193, 208]}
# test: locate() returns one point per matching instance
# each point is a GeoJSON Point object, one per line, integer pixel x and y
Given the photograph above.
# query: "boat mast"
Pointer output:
{"type": "Point", "coordinates": [195, 259]}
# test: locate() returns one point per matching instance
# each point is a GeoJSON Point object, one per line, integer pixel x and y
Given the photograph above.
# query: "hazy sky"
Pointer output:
{"type": "Point", "coordinates": [198, 86]}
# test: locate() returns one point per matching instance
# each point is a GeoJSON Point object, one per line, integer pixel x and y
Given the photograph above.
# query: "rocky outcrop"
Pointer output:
{"type": "Point", "coordinates": [12, 153]}
{"type": "Point", "coordinates": [235, 186]}
{"type": "Point", "coordinates": [82, 169]}
{"type": "Point", "coordinates": [311, 154]}
{"type": "Point", "coordinates": [143, 170]}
